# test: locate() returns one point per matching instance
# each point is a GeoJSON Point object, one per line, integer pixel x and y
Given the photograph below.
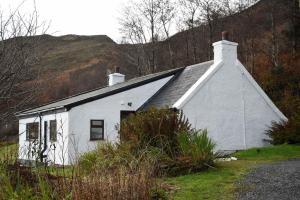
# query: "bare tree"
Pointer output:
{"type": "Point", "coordinates": [295, 25]}
{"type": "Point", "coordinates": [140, 22]}
{"type": "Point", "coordinates": [247, 32]}
{"type": "Point", "coordinates": [210, 13]}
{"type": "Point", "coordinates": [132, 28]}
{"type": "Point", "coordinates": [231, 7]}
{"type": "Point", "coordinates": [190, 15]}
{"type": "Point", "coordinates": [17, 56]}
{"type": "Point", "coordinates": [274, 42]}
{"type": "Point", "coordinates": [166, 18]}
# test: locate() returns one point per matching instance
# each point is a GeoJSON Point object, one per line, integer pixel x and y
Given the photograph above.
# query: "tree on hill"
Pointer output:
{"type": "Point", "coordinates": [17, 56]}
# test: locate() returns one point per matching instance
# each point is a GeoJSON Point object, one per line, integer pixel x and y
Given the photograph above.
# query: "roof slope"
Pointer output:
{"type": "Point", "coordinates": [184, 78]}
{"type": "Point", "coordinates": [176, 88]}
{"type": "Point", "coordinates": [100, 92]}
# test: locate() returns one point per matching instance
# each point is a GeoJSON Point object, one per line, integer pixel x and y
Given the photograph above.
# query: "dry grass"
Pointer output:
{"type": "Point", "coordinates": [118, 184]}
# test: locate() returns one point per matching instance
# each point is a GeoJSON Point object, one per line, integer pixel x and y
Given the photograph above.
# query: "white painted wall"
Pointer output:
{"type": "Point", "coordinates": [57, 156]}
{"type": "Point", "coordinates": [227, 102]}
{"type": "Point", "coordinates": [107, 109]}
{"type": "Point", "coordinates": [25, 146]}
{"type": "Point", "coordinates": [218, 107]}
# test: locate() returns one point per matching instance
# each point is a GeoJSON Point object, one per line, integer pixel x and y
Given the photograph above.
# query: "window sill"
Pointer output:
{"type": "Point", "coordinates": [31, 140]}
{"type": "Point", "coordinates": [93, 140]}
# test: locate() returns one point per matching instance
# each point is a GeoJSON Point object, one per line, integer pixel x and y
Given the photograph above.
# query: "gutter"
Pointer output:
{"type": "Point", "coordinates": [24, 113]}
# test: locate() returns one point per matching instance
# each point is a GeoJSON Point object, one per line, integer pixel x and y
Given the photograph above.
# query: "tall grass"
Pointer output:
{"type": "Point", "coordinates": [196, 147]}
{"type": "Point", "coordinates": [122, 177]}
{"type": "Point", "coordinates": [113, 171]}
{"type": "Point", "coordinates": [120, 183]}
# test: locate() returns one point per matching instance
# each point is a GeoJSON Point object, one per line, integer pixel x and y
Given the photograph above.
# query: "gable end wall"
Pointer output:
{"type": "Point", "coordinates": [231, 108]}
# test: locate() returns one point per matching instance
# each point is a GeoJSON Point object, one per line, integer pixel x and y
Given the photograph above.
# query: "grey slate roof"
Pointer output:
{"type": "Point", "coordinates": [176, 88]}
{"type": "Point", "coordinates": [184, 78]}
{"type": "Point", "coordinates": [100, 92]}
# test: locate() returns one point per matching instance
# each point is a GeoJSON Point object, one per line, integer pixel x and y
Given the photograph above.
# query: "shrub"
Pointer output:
{"type": "Point", "coordinates": [112, 156]}
{"type": "Point", "coordinates": [181, 149]}
{"type": "Point", "coordinates": [277, 132]}
{"type": "Point", "coordinates": [285, 132]}
{"type": "Point", "coordinates": [196, 152]}
{"type": "Point", "coordinates": [119, 183]}
{"type": "Point", "coordinates": [156, 128]}
{"type": "Point", "coordinates": [196, 145]}
{"type": "Point", "coordinates": [113, 171]}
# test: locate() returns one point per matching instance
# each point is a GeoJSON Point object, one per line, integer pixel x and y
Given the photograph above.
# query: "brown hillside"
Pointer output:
{"type": "Point", "coordinates": [71, 64]}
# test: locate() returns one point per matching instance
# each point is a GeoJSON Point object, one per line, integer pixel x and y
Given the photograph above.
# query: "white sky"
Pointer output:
{"type": "Point", "coordinates": [81, 17]}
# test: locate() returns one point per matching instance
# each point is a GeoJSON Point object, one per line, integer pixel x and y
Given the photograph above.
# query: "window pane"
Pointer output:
{"type": "Point", "coordinates": [97, 123]}
{"type": "Point", "coordinates": [53, 130]}
{"type": "Point", "coordinates": [96, 133]}
{"type": "Point", "coordinates": [32, 130]}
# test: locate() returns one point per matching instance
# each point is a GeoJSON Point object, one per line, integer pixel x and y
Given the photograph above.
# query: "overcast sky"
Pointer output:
{"type": "Point", "coordinates": [82, 17]}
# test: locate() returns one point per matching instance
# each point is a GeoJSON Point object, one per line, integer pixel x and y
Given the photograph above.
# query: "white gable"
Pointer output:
{"type": "Point", "coordinates": [229, 103]}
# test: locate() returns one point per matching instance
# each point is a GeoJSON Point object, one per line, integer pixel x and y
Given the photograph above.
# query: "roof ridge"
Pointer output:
{"type": "Point", "coordinates": [197, 64]}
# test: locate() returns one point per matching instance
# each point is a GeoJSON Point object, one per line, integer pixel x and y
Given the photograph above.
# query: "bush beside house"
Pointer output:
{"type": "Point", "coordinates": [285, 132]}
{"type": "Point", "coordinates": [182, 149]}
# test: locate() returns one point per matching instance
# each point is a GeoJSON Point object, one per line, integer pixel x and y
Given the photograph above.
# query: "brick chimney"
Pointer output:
{"type": "Point", "coordinates": [115, 77]}
{"type": "Point", "coordinates": [225, 50]}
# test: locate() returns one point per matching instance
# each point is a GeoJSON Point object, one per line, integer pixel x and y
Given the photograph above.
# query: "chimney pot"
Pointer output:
{"type": "Point", "coordinates": [117, 69]}
{"type": "Point", "coordinates": [225, 35]}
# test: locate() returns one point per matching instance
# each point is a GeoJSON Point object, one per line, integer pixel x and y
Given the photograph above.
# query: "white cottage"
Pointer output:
{"type": "Point", "coordinates": [219, 95]}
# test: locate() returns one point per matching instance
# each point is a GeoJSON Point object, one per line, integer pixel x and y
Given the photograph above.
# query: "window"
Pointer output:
{"type": "Point", "coordinates": [97, 130]}
{"type": "Point", "coordinates": [32, 131]}
{"type": "Point", "coordinates": [53, 130]}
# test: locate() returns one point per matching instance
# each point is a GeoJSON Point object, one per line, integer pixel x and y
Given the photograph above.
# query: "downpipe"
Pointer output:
{"type": "Point", "coordinates": [42, 156]}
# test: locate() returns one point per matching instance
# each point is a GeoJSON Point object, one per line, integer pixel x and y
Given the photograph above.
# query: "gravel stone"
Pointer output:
{"type": "Point", "coordinates": [277, 181]}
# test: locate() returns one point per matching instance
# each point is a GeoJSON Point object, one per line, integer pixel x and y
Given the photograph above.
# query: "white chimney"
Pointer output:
{"type": "Point", "coordinates": [116, 77]}
{"type": "Point", "coordinates": [225, 50]}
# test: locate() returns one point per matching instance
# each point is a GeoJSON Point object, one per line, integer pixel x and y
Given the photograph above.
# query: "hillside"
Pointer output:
{"type": "Point", "coordinates": [70, 64]}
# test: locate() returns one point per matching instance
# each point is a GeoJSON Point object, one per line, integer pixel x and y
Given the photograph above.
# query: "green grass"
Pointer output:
{"type": "Point", "coordinates": [272, 153]}
{"type": "Point", "coordinates": [8, 151]}
{"type": "Point", "coordinates": [219, 183]}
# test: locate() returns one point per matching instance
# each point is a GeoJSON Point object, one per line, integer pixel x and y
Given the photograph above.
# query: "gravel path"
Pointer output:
{"type": "Point", "coordinates": [278, 181]}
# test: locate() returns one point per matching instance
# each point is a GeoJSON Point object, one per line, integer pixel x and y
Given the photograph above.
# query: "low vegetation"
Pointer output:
{"type": "Point", "coordinates": [285, 132]}
{"type": "Point", "coordinates": [157, 128]}
{"type": "Point", "coordinates": [32, 183]}
{"type": "Point", "coordinates": [220, 182]}
{"type": "Point", "coordinates": [133, 180]}
{"type": "Point", "coordinates": [181, 148]}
